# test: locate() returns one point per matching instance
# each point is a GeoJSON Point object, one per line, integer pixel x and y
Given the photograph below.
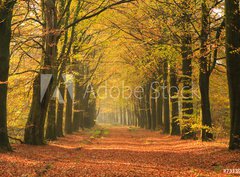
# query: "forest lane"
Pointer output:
{"type": "Point", "coordinates": [121, 151]}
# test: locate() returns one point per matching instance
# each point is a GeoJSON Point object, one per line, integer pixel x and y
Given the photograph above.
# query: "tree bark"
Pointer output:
{"type": "Point", "coordinates": [34, 130]}
{"type": "Point", "coordinates": [187, 100]}
{"type": "Point", "coordinates": [153, 106]}
{"type": "Point", "coordinates": [51, 133]}
{"type": "Point", "coordinates": [166, 99]}
{"type": "Point", "coordinates": [159, 120]}
{"type": "Point", "coordinates": [5, 38]}
{"type": "Point", "coordinates": [69, 113]}
{"type": "Point", "coordinates": [78, 105]}
{"type": "Point", "coordinates": [187, 55]}
{"type": "Point", "coordinates": [60, 110]}
{"type": "Point", "coordinates": [51, 121]}
{"type": "Point", "coordinates": [233, 68]}
{"type": "Point", "coordinates": [148, 109]}
{"type": "Point", "coordinates": [204, 77]}
{"type": "Point", "coordinates": [174, 100]}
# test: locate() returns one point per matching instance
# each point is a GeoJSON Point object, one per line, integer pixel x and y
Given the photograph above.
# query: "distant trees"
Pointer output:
{"type": "Point", "coordinates": [193, 31]}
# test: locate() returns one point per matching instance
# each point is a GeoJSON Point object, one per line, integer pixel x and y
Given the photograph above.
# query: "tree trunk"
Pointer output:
{"type": "Point", "coordinates": [142, 113]}
{"type": "Point", "coordinates": [187, 55]}
{"type": "Point", "coordinates": [69, 113]}
{"type": "Point", "coordinates": [153, 107]}
{"type": "Point", "coordinates": [148, 109]}
{"type": "Point", "coordinates": [78, 100]}
{"type": "Point", "coordinates": [204, 77]}
{"type": "Point", "coordinates": [60, 111]}
{"type": "Point", "coordinates": [51, 121]}
{"type": "Point", "coordinates": [187, 100]}
{"type": "Point", "coordinates": [233, 68]}
{"type": "Point", "coordinates": [159, 120]}
{"type": "Point", "coordinates": [77, 108]}
{"type": "Point", "coordinates": [5, 38]}
{"type": "Point", "coordinates": [174, 100]}
{"type": "Point", "coordinates": [166, 100]}
{"type": "Point", "coordinates": [51, 133]}
{"type": "Point", "coordinates": [121, 115]}
{"type": "Point", "coordinates": [34, 130]}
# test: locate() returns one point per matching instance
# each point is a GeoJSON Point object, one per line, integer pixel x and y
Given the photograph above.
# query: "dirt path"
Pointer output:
{"type": "Point", "coordinates": [123, 152]}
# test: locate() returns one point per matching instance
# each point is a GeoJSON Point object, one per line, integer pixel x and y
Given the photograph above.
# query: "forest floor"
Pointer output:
{"type": "Point", "coordinates": [120, 151]}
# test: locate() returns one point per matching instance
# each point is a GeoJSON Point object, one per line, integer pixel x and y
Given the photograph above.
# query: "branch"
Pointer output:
{"type": "Point", "coordinates": [16, 139]}
{"type": "Point", "coordinates": [215, 55]}
{"type": "Point", "coordinates": [87, 16]}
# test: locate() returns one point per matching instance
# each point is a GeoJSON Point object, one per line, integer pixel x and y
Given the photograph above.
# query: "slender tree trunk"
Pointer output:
{"type": "Point", "coordinates": [124, 116]}
{"type": "Point", "coordinates": [77, 108]}
{"type": "Point", "coordinates": [60, 110]}
{"type": "Point", "coordinates": [121, 115]}
{"type": "Point", "coordinates": [233, 68]}
{"type": "Point", "coordinates": [166, 100]}
{"type": "Point", "coordinates": [69, 114]}
{"type": "Point", "coordinates": [5, 38]}
{"type": "Point", "coordinates": [153, 106]}
{"type": "Point", "coordinates": [78, 105]}
{"type": "Point", "coordinates": [159, 120]}
{"type": "Point", "coordinates": [129, 116]}
{"type": "Point", "coordinates": [148, 109]}
{"type": "Point", "coordinates": [204, 76]}
{"type": "Point", "coordinates": [174, 100]}
{"type": "Point", "coordinates": [136, 114]}
{"type": "Point", "coordinates": [142, 113]}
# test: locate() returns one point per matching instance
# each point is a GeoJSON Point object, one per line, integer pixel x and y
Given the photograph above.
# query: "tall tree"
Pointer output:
{"type": "Point", "coordinates": [166, 98]}
{"type": "Point", "coordinates": [34, 131]}
{"type": "Point", "coordinates": [174, 100]}
{"type": "Point", "coordinates": [204, 76]}
{"type": "Point", "coordinates": [6, 14]}
{"type": "Point", "coordinates": [153, 106]}
{"type": "Point", "coordinates": [187, 55]}
{"type": "Point", "coordinates": [232, 16]}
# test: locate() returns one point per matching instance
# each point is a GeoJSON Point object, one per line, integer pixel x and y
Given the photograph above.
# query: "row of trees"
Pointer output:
{"type": "Point", "coordinates": [179, 44]}
{"type": "Point", "coordinates": [163, 41]}
{"type": "Point", "coordinates": [65, 57]}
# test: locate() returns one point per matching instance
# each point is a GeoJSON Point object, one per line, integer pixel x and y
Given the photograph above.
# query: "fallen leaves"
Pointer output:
{"type": "Point", "coordinates": [120, 153]}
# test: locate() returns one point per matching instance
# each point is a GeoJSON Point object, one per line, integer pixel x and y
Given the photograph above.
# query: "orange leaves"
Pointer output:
{"type": "Point", "coordinates": [120, 153]}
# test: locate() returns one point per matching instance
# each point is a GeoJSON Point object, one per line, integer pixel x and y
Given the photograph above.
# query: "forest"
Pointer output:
{"type": "Point", "coordinates": [119, 87]}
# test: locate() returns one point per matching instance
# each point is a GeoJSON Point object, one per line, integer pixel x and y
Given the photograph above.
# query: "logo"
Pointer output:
{"type": "Point", "coordinates": [68, 82]}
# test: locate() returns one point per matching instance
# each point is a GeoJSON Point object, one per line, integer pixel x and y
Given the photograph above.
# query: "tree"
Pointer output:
{"type": "Point", "coordinates": [205, 75]}
{"type": "Point", "coordinates": [34, 131]}
{"type": "Point", "coordinates": [166, 98]}
{"type": "Point", "coordinates": [6, 15]}
{"type": "Point", "coordinates": [174, 100]}
{"type": "Point", "coordinates": [232, 17]}
{"type": "Point", "coordinates": [187, 56]}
